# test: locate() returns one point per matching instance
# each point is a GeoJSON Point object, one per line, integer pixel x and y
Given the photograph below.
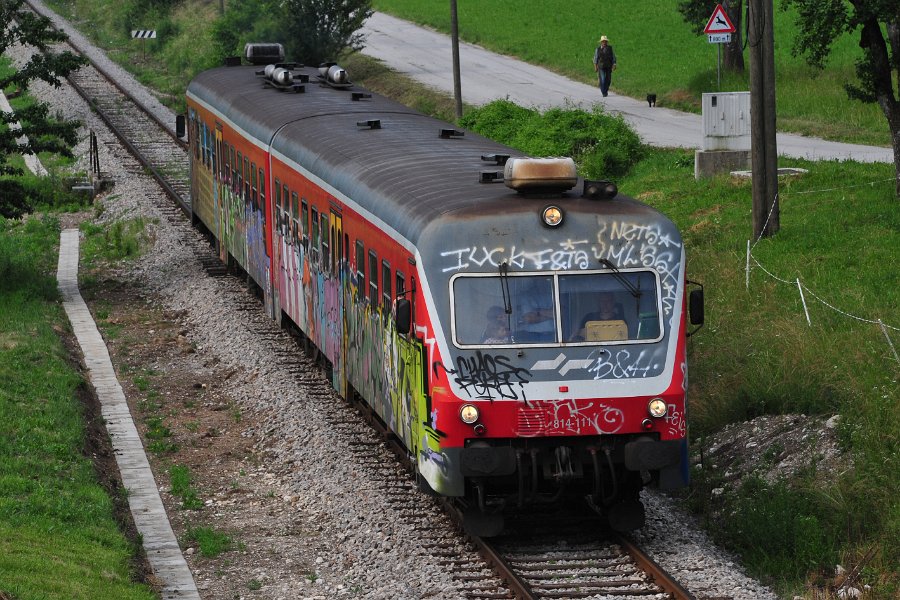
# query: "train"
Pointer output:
{"type": "Point", "coordinates": [521, 330]}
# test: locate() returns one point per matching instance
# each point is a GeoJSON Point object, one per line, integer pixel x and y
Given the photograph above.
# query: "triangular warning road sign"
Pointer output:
{"type": "Point", "coordinates": [719, 22]}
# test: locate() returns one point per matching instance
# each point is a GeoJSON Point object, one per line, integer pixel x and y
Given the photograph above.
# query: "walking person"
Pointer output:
{"type": "Point", "coordinates": [604, 64]}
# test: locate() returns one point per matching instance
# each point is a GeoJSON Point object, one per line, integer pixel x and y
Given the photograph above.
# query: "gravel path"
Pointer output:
{"type": "Point", "coordinates": [352, 544]}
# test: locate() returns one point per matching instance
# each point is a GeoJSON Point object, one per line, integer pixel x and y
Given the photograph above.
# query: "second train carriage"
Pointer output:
{"type": "Point", "coordinates": [521, 344]}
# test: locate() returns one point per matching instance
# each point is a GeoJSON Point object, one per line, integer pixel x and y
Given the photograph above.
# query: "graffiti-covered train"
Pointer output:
{"type": "Point", "coordinates": [521, 330]}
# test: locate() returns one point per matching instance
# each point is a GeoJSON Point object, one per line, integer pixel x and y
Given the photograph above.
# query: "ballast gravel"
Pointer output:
{"type": "Point", "coordinates": [331, 529]}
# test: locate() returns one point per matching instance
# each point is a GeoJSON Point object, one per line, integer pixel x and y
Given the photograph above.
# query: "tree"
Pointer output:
{"type": "Point", "coordinates": [319, 30]}
{"type": "Point", "coordinates": [697, 13]}
{"type": "Point", "coordinates": [820, 22]}
{"type": "Point", "coordinates": [43, 132]}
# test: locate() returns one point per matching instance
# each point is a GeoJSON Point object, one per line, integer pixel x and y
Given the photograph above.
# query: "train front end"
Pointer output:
{"type": "Point", "coordinates": [559, 364]}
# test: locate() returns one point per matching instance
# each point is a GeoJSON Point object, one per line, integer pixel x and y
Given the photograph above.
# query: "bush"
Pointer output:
{"type": "Point", "coordinates": [602, 145]}
{"type": "Point", "coordinates": [14, 201]}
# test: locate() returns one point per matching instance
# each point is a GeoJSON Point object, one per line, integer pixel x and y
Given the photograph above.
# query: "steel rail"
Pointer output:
{"type": "Point", "coordinates": [657, 573]}
{"type": "Point", "coordinates": [132, 149]}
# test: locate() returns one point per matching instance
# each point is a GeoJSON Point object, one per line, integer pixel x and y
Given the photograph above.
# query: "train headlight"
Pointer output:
{"type": "Point", "coordinates": [468, 413]}
{"type": "Point", "coordinates": [552, 216]}
{"type": "Point", "coordinates": [657, 408]}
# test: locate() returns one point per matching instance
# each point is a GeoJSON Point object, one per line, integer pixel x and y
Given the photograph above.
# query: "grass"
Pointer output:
{"type": "Point", "coordinates": [210, 542]}
{"type": "Point", "coordinates": [657, 52]}
{"type": "Point", "coordinates": [58, 534]}
{"type": "Point", "coordinates": [840, 236]}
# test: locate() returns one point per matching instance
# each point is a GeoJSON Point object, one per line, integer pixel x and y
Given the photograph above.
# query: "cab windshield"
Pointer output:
{"type": "Point", "coordinates": [585, 308]}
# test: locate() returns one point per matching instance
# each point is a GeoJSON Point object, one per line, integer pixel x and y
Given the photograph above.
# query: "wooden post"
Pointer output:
{"type": "Point", "coordinates": [764, 151]}
{"type": "Point", "coordinates": [454, 36]}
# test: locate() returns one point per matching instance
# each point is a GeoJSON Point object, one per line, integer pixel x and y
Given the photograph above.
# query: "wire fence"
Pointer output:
{"type": "Point", "coordinates": [804, 291]}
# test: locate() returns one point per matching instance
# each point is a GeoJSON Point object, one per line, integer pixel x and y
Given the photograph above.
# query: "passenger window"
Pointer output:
{"type": "Point", "coordinates": [360, 269]}
{"type": "Point", "coordinates": [304, 219]}
{"type": "Point", "coordinates": [373, 278]}
{"type": "Point", "coordinates": [386, 283]}
{"type": "Point", "coordinates": [279, 215]}
{"type": "Point", "coordinates": [253, 188]}
{"type": "Point", "coordinates": [262, 192]}
{"type": "Point", "coordinates": [326, 253]}
{"type": "Point", "coordinates": [314, 241]}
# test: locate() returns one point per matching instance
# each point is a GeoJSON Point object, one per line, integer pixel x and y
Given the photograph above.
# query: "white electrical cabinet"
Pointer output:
{"type": "Point", "coordinates": [726, 121]}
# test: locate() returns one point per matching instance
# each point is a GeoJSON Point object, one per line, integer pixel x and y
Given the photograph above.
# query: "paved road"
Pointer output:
{"type": "Point", "coordinates": [426, 56]}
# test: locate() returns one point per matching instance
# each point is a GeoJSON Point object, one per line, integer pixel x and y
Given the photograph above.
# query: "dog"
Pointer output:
{"type": "Point", "coordinates": [651, 100]}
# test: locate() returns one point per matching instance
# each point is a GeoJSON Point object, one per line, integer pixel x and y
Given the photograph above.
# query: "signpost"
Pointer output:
{"type": "Point", "coordinates": [143, 35]}
{"type": "Point", "coordinates": [718, 30]}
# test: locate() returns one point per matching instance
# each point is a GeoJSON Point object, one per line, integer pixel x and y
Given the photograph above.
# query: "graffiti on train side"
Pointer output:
{"type": "Point", "coordinates": [486, 376]}
{"type": "Point", "coordinates": [625, 244]}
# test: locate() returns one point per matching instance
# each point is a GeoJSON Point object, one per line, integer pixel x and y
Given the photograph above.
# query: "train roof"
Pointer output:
{"type": "Point", "coordinates": [404, 172]}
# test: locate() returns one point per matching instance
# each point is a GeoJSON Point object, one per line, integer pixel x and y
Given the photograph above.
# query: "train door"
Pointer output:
{"type": "Point", "coordinates": [339, 380]}
{"type": "Point", "coordinates": [218, 188]}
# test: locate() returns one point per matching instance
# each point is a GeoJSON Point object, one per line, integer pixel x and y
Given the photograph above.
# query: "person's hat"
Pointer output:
{"type": "Point", "coordinates": [603, 38]}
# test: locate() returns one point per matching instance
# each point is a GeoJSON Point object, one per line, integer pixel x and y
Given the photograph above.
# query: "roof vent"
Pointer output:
{"type": "Point", "coordinates": [527, 175]}
{"type": "Point", "coordinates": [451, 133]}
{"type": "Point", "coordinates": [334, 75]}
{"type": "Point", "coordinates": [264, 54]}
{"type": "Point", "coordinates": [498, 159]}
{"type": "Point", "coordinates": [281, 77]}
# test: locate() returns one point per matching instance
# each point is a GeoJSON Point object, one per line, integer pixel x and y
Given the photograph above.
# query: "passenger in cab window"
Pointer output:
{"type": "Point", "coordinates": [496, 331]}
{"type": "Point", "coordinates": [607, 310]}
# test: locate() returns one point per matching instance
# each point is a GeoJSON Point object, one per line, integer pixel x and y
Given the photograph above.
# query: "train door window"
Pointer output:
{"type": "Point", "coordinates": [262, 191]}
{"type": "Point", "coordinates": [254, 191]}
{"type": "Point", "coordinates": [360, 269]}
{"type": "Point", "coordinates": [386, 283]}
{"type": "Point", "coordinates": [326, 249]}
{"type": "Point", "coordinates": [279, 217]}
{"type": "Point", "coordinates": [246, 179]}
{"type": "Point", "coordinates": [314, 241]}
{"type": "Point", "coordinates": [373, 278]}
{"type": "Point", "coordinates": [217, 152]}
{"type": "Point", "coordinates": [335, 248]}
{"type": "Point", "coordinates": [304, 218]}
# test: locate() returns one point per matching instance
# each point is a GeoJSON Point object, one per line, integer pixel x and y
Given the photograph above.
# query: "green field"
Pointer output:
{"type": "Point", "coordinates": [657, 52]}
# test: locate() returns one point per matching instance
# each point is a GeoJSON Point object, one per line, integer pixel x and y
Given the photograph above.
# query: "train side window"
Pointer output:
{"type": "Point", "coordinates": [304, 218]}
{"type": "Point", "coordinates": [360, 269]}
{"type": "Point", "coordinates": [226, 164]}
{"type": "Point", "coordinates": [253, 189]}
{"type": "Point", "coordinates": [216, 150]}
{"type": "Point", "coordinates": [295, 226]}
{"type": "Point", "coordinates": [246, 179]}
{"type": "Point", "coordinates": [373, 278]}
{"type": "Point", "coordinates": [239, 180]}
{"type": "Point", "coordinates": [401, 283]}
{"type": "Point", "coordinates": [234, 167]}
{"type": "Point", "coordinates": [262, 191]}
{"type": "Point", "coordinates": [326, 249]}
{"type": "Point", "coordinates": [386, 283]}
{"type": "Point", "coordinates": [279, 216]}
{"type": "Point", "coordinates": [314, 240]}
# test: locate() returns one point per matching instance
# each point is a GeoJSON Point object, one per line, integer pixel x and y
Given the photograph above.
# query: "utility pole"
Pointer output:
{"type": "Point", "coordinates": [763, 149]}
{"type": "Point", "coordinates": [454, 36]}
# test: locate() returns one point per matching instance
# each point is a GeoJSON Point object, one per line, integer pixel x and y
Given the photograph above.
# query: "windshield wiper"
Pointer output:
{"type": "Point", "coordinates": [504, 287]}
{"type": "Point", "coordinates": [621, 278]}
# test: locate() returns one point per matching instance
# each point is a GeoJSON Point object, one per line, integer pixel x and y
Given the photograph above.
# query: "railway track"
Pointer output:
{"type": "Point", "coordinates": [540, 555]}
